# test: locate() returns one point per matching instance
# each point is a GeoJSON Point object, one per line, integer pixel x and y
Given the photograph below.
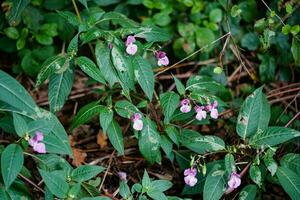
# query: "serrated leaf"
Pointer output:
{"type": "Point", "coordinates": [273, 136]}
{"type": "Point", "coordinates": [13, 93]}
{"type": "Point", "coordinates": [60, 85]}
{"type": "Point", "coordinates": [20, 125]}
{"type": "Point", "coordinates": [248, 192]}
{"type": "Point", "coordinates": [169, 102]}
{"type": "Point", "coordinates": [254, 115]}
{"type": "Point", "coordinates": [55, 183]}
{"type": "Point", "coordinates": [12, 160]}
{"type": "Point", "coordinates": [229, 163]}
{"type": "Point", "coordinates": [90, 68]}
{"type": "Point", "coordinates": [104, 62]}
{"type": "Point", "coordinates": [114, 133]}
{"type": "Point", "coordinates": [179, 86]}
{"type": "Point", "coordinates": [204, 83]}
{"type": "Point", "coordinates": [69, 17]}
{"type": "Point", "coordinates": [125, 109]}
{"type": "Point", "coordinates": [172, 132]}
{"type": "Point", "coordinates": [92, 34]}
{"type": "Point", "coordinates": [49, 67]}
{"type": "Point", "coordinates": [106, 117]}
{"type": "Point", "coordinates": [86, 113]}
{"type": "Point", "coordinates": [269, 161]}
{"type": "Point", "coordinates": [144, 74]}
{"type": "Point", "coordinates": [161, 185]}
{"type": "Point", "coordinates": [149, 142]}
{"type": "Point", "coordinates": [153, 34]}
{"type": "Point", "coordinates": [42, 125]}
{"type": "Point", "coordinates": [167, 146]}
{"type": "Point", "coordinates": [73, 45]}
{"type": "Point", "coordinates": [85, 172]}
{"type": "Point", "coordinates": [291, 161]}
{"type": "Point", "coordinates": [290, 182]}
{"type": "Point", "coordinates": [119, 19]}
{"type": "Point", "coordinates": [214, 186]}
{"type": "Point", "coordinates": [255, 175]}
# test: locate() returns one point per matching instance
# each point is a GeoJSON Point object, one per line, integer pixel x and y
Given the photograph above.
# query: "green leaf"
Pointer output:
{"type": "Point", "coordinates": [119, 19]}
{"type": "Point", "coordinates": [156, 195]}
{"type": "Point", "coordinates": [125, 109]}
{"type": "Point", "coordinates": [146, 182]}
{"type": "Point", "coordinates": [229, 163]}
{"type": "Point", "coordinates": [254, 115]}
{"type": "Point", "coordinates": [90, 68]}
{"type": "Point", "coordinates": [273, 136]}
{"type": "Point", "coordinates": [295, 49]}
{"type": "Point", "coordinates": [20, 125]}
{"type": "Point", "coordinates": [60, 85]}
{"type": "Point", "coordinates": [204, 37]}
{"type": "Point", "coordinates": [250, 41]}
{"type": "Point", "coordinates": [214, 186]}
{"type": "Point", "coordinates": [179, 86]}
{"type": "Point", "coordinates": [49, 67]}
{"type": "Point", "coordinates": [215, 15]}
{"type": "Point", "coordinates": [12, 160]}
{"type": "Point", "coordinates": [149, 142]}
{"type": "Point", "coordinates": [106, 117]}
{"type": "Point", "coordinates": [200, 144]}
{"type": "Point", "coordinates": [114, 133]}
{"type": "Point", "coordinates": [167, 146]}
{"type": "Point", "coordinates": [12, 33]}
{"type": "Point", "coordinates": [248, 192]}
{"type": "Point", "coordinates": [85, 172]}
{"type": "Point", "coordinates": [43, 39]}
{"type": "Point", "coordinates": [169, 102]}
{"type": "Point", "coordinates": [73, 45]}
{"type": "Point", "coordinates": [290, 182]}
{"type": "Point", "coordinates": [69, 17]}
{"type": "Point", "coordinates": [269, 161]}
{"type": "Point", "coordinates": [255, 175]}
{"type": "Point", "coordinates": [235, 11]}
{"type": "Point", "coordinates": [199, 84]}
{"type": "Point", "coordinates": [14, 16]}
{"type": "Point", "coordinates": [291, 161]}
{"type": "Point", "coordinates": [86, 113]}
{"type": "Point", "coordinates": [13, 93]}
{"type": "Point", "coordinates": [173, 134]}
{"type": "Point", "coordinates": [267, 67]}
{"type": "Point", "coordinates": [144, 75]}
{"type": "Point", "coordinates": [153, 34]}
{"type": "Point", "coordinates": [56, 183]}
{"type": "Point", "coordinates": [161, 185]}
{"type": "Point", "coordinates": [106, 67]}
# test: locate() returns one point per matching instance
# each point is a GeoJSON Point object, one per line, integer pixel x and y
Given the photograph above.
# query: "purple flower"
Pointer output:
{"type": "Point", "coordinates": [122, 176]}
{"type": "Point", "coordinates": [36, 143]}
{"type": "Point", "coordinates": [110, 46]}
{"type": "Point", "coordinates": [162, 59]}
{"type": "Point", "coordinates": [234, 181]}
{"type": "Point", "coordinates": [185, 106]}
{"type": "Point", "coordinates": [131, 48]}
{"type": "Point", "coordinates": [190, 176]}
{"type": "Point", "coordinates": [213, 110]}
{"type": "Point", "coordinates": [137, 122]}
{"type": "Point", "coordinates": [201, 113]}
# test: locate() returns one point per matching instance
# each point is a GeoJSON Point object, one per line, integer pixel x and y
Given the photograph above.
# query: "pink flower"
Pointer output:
{"type": "Point", "coordinates": [137, 122]}
{"type": "Point", "coordinates": [162, 59]}
{"type": "Point", "coordinates": [185, 106]}
{"type": "Point", "coordinates": [131, 48]}
{"type": "Point", "coordinates": [234, 181]}
{"type": "Point", "coordinates": [201, 113]}
{"type": "Point", "coordinates": [190, 172]}
{"type": "Point", "coordinates": [190, 180]}
{"type": "Point", "coordinates": [122, 176]}
{"type": "Point", "coordinates": [213, 110]}
{"type": "Point", "coordinates": [36, 143]}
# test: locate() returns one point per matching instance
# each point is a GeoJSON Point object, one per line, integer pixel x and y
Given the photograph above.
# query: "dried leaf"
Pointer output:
{"type": "Point", "coordinates": [102, 140]}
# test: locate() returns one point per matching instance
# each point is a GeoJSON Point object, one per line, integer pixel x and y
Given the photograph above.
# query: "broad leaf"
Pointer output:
{"type": "Point", "coordinates": [144, 75]}
{"type": "Point", "coordinates": [169, 102]}
{"type": "Point", "coordinates": [149, 142]}
{"type": "Point", "coordinates": [273, 136]}
{"type": "Point", "coordinates": [85, 172]}
{"type": "Point", "coordinates": [114, 133]}
{"type": "Point", "coordinates": [153, 34]}
{"type": "Point", "coordinates": [125, 108]}
{"type": "Point", "coordinates": [12, 160]}
{"type": "Point", "coordinates": [20, 125]}
{"type": "Point", "coordinates": [106, 117]}
{"type": "Point", "coordinates": [291, 161]}
{"type": "Point", "coordinates": [90, 68]}
{"type": "Point", "coordinates": [214, 186]}
{"type": "Point", "coordinates": [179, 86]}
{"type": "Point", "coordinates": [290, 182]}
{"type": "Point", "coordinates": [16, 11]}
{"type": "Point", "coordinates": [254, 115]}
{"type": "Point", "coordinates": [119, 19]}
{"type": "Point", "coordinates": [56, 183]}
{"type": "Point", "coordinates": [248, 193]}
{"type": "Point", "coordinates": [60, 85]}
{"type": "Point", "coordinates": [256, 175]}
{"type": "Point", "coordinates": [295, 49]}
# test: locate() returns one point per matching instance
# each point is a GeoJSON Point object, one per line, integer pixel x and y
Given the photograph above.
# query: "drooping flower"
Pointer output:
{"type": "Point", "coordinates": [185, 106]}
{"type": "Point", "coordinates": [137, 122]}
{"type": "Point", "coordinates": [201, 113]}
{"type": "Point", "coordinates": [131, 48]}
{"type": "Point", "coordinates": [190, 176]}
{"type": "Point", "coordinates": [122, 176]}
{"type": "Point", "coordinates": [234, 180]}
{"type": "Point", "coordinates": [36, 142]}
{"type": "Point", "coordinates": [162, 59]}
{"type": "Point", "coordinates": [213, 110]}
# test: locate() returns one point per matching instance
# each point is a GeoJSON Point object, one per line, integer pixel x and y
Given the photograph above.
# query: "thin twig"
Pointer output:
{"type": "Point", "coordinates": [106, 172]}
{"type": "Point", "coordinates": [32, 183]}
{"type": "Point", "coordinates": [293, 119]}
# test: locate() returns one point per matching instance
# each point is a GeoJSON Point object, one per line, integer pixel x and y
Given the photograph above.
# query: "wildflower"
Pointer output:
{"type": "Point", "coordinates": [234, 180]}
{"type": "Point", "coordinates": [185, 106]}
{"type": "Point", "coordinates": [201, 113]}
{"type": "Point", "coordinates": [137, 122]}
{"type": "Point", "coordinates": [122, 176]}
{"type": "Point", "coordinates": [162, 59]}
{"type": "Point", "coordinates": [190, 177]}
{"type": "Point", "coordinates": [213, 110]}
{"type": "Point", "coordinates": [36, 143]}
{"type": "Point", "coordinates": [110, 46]}
{"type": "Point", "coordinates": [131, 48]}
